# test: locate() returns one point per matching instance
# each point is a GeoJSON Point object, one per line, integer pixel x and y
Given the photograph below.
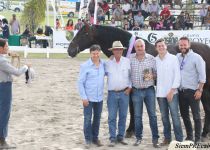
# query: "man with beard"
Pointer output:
{"type": "Point", "coordinates": [193, 77]}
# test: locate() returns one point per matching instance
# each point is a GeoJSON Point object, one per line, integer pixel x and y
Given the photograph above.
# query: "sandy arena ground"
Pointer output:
{"type": "Point", "coordinates": [48, 114]}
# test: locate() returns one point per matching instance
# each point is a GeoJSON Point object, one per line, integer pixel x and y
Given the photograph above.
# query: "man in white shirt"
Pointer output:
{"type": "Point", "coordinates": [119, 87]}
{"type": "Point", "coordinates": [168, 80]}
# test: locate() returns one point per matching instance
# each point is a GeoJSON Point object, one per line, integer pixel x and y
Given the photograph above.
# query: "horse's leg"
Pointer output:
{"type": "Point", "coordinates": [206, 105]}
{"type": "Point", "coordinates": [130, 130]}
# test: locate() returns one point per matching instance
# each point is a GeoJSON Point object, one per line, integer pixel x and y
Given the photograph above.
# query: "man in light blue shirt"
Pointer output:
{"type": "Point", "coordinates": [91, 85]}
{"type": "Point", "coordinates": [193, 77]}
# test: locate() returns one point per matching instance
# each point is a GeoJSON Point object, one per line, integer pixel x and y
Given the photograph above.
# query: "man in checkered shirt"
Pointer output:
{"type": "Point", "coordinates": [143, 73]}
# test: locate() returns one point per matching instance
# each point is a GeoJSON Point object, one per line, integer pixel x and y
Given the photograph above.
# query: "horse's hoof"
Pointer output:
{"type": "Point", "coordinates": [129, 134]}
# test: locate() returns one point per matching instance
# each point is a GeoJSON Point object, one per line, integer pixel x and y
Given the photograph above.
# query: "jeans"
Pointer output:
{"type": "Point", "coordinates": [186, 101]}
{"type": "Point", "coordinates": [147, 96]}
{"type": "Point", "coordinates": [117, 101]}
{"type": "Point", "coordinates": [173, 106]}
{"type": "Point", "coordinates": [91, 129]}
{"type": "Point", "coordinates": [5, 107]}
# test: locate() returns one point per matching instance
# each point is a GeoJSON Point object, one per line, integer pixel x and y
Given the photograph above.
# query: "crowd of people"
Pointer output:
{"type": "Point", "coordinates": [179, 86]}
{"type": "Point", "coordinates": [141, 15]}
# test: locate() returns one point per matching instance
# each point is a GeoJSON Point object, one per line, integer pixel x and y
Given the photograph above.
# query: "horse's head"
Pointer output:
{"type": "Point", "coordinates": [82, 40]}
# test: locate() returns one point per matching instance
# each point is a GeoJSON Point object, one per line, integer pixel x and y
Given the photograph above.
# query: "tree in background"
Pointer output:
{"type": "Point", "coordinates": [34, 13]}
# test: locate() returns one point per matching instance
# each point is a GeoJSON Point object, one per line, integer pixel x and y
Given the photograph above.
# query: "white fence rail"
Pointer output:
{"type": "Point", "coordinates": [26, 50]}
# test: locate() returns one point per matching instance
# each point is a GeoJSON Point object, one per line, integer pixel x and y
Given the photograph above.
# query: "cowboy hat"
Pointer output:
{"type": "Point", "coordinates": [117, 45]}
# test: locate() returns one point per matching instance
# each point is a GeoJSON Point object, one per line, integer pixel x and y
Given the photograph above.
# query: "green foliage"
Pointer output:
{"type": "Point", "coordinates": [34, 13]}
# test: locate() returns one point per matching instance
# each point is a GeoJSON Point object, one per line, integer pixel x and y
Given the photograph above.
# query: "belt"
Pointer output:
{"type": "Point", "coordinates": [186, 90]}
{"type": "Point", "coordinates": [118, 90]}
{"type": "Point", "coordinates": [141, 88]}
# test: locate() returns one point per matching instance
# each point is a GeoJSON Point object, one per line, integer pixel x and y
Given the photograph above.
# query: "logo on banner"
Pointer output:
{"type": "Point", "coordinates": [152, 37]}
{"type": "Point", "coordinates": [171, 39]}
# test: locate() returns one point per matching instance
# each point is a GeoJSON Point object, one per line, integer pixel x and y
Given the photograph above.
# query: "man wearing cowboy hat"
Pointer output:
{"type": "Point", "coordinates": [119, 86]}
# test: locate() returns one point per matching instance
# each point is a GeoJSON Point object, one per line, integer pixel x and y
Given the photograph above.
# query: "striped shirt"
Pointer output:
{"type": "Point", "coordinates": [141, 67]}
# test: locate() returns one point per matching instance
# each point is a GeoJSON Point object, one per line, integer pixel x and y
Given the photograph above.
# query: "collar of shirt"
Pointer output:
{"type": "Point", "coordinates": [188, 54]}
{"type": "Point", "coordinates": [90, 62]}
{"type": "Point", "coordinates": [114, 60]}
{"type": "Point", "coordinates": [164, 57]}
{"type": "Point", "coordinates": [134, 56]}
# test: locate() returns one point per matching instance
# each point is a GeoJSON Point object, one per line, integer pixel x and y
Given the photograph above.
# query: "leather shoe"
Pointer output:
{"type": "Point", "coordinates": [122, 142]}
{"type": "Point", "coordinates": [4, 145]}
{"type": "Point", "coordinates": [112, 143]}
{"type": "Point", "coordinates": [98, 143]}
{"type": "Point", "coordinates": [156, 145]}
{"type": "Point", "coordinates": [165, 142]}
{"type": "Point", "coordinates": [137, 143]}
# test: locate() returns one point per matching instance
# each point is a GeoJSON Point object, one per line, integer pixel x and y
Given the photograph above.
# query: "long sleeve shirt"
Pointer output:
{"type": "Point", "coordinates": [7, 70]}
{"type": "Point", "coordinates": [193, 70]}
{"type": "Point", "coordinates": [91, 81]}
{"type": "Point", "coordinates": [168, 74]}
{"type": "Point", "coordinates": [118, 74]}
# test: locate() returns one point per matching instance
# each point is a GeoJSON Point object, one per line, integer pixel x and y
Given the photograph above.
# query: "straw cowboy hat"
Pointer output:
{"type": "Point", "coordinates": [117, 45]}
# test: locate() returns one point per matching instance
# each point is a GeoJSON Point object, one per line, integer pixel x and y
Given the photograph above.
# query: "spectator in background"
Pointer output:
{"type": "Point", "coordinates": [140, 19]}
{"type": "Point", "coordinates": [159, 25]}
{"type": "Point", "coordinates": [5, 29]}
{"type": "Point", "coordinates": [114, 6]}
{"type": "Point", "coordinates": [130, 20]}
{"type": "Point", "coordinates": [15, 25]}
{"type": "Point", "coordinates": [113, 23]}
{"type": "Point", "coordinates": [178, 2]}
{"type": "Point", "coordinates": [125, 21]}
{"type": "Point", "coordinates": [136, 26]}
{"type": "Point", "coordinates": [48, 31]}
{"type": "Point", "coordinates": [91, 8]}
{"type": "Point", "coordinates": [69, 25]}
{"type": "Point", "coordinates": [207, 18]}
{"type": "Point", "coordinates": [78, 25]}
{"type": "Point", "coordinates": [167, 3]}
{"type": "Point", "coordinates": [126, 7]}
{"type": "Point", "coordinates": [27, 33]}
{"type": "Point", "coordinates": [145, 9]}
{"type": "Point", "coordinates": [118, 14]}
{"type": "Point", "coordinates": [180, 21]}
{"type": "Point", "coordinates": [135, 8]}
{"type": "Point", "coordinates": [203, 12]}
{"type": "Point", "coordinates": [154, 7]}
{"type": "Point", "coordinates": [106, 8]}
{"type": "Point", "coordinates": [126, 27]}
{"type": "Point", "coordinates": [153, 19]}
{"type": "Point", "coordinates": [58, 24]}
{"type": "Point", "coordinates": [188, 21]}
{"type": "Point", "coordinates": [165, 15]}
{"type": "Point", "coordinates": [100, 13]}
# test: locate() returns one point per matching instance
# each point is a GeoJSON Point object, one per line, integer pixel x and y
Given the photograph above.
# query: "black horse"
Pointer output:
{"type": "Point", "coordinates": [105, 35]}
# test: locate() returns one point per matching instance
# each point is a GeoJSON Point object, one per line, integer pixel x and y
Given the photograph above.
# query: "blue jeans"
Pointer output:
{"type": "Point", "coordinates": [173, 106]}
{"type": "Point", "coordinates": [147, 96]}
{"type": "Point", "coordinates": [5, 107]}
{"type": "Point", "coordinates": [117, 101]}
{"type": "Point", "coordinates": [91, 129]}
